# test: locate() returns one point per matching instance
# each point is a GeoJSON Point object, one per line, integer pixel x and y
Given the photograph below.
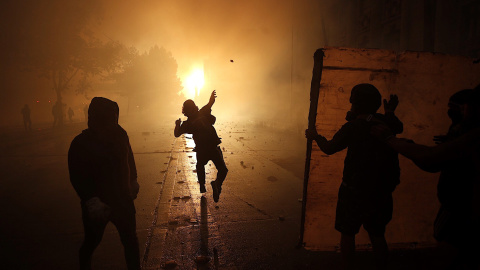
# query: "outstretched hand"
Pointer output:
{"type": "Point", "coordinates": [178, 122]}
{"type": "Point", "coordinates": [390, 105]}
{"type": "Point", "coordinates": [213, 96]}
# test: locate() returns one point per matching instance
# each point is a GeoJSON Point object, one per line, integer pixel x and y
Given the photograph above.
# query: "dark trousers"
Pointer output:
{"type": "Point", "coordinates": [125, 223]}
{"type": "Point", "coordinates": [216, 156]}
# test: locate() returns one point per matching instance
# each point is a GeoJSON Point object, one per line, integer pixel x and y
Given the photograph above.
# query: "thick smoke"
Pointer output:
{"type": "Point", "coordinates": [256, 54]}
{"type": "Point", "coordinates": [253, 52]}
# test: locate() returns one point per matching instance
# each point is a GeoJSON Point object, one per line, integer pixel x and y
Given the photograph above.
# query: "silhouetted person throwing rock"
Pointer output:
{"type": "Point", "coordinates": [200, 125]}
{"type": "Point", "coordinates": [26, 118]}
{"type": "Point", "coordinates": [103, 173]}
{"type": "Point", "coordinates": [371, 172]}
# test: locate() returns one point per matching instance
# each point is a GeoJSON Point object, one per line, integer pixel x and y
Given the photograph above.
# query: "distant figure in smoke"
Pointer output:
{"type": "Point", "coordinates": [371, 172]}
{"type": "Point", "coordinates": [458, 190]}
{"type": "Point", "coordinates": [26, 118]}
{"type": "Point", "coordinates": [56, 112]}
{"type": "Point", "coordinates": [103, 173]}
{"type": "Point", "coordinates": [200, 124]}
{"type": "Point", "coordinates": [70, 114]}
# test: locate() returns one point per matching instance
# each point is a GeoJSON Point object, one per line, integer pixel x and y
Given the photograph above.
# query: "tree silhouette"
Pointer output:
{"type": "Point", "coordinates": [150, 80]}
{"type": "Point", "coordinates": [55, 40]}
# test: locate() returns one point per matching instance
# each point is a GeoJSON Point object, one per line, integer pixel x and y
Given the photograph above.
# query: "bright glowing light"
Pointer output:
{"type": "Point", "coordinates": [193, 83]}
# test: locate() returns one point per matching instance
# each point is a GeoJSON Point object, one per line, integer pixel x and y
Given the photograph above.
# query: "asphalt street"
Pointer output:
{"type": "Point", "coordinates": [42, 226]}
{"type": "Point", "coordinates": [255, 225]}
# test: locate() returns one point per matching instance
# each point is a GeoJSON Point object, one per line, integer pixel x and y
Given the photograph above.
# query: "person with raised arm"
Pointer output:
{"type": "Point", "coordinates": [200, 125]}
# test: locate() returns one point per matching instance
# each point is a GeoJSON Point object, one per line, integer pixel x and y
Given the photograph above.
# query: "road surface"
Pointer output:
{"type": "Point", "coordinates": [255, 225]}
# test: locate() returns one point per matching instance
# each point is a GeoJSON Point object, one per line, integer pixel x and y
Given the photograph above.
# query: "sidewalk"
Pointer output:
{"type": "Point", "coordinates": [183, 231]}
{"type": "Point", "coordinates": [252, 227]}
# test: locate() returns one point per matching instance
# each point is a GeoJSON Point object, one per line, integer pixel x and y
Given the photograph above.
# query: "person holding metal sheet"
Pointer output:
{"type": "Point", "coordinates": [200, 124]}
{"type": "Point", "coordinates": [371, 172]}
{"type": "Point", "coordinates": [457, 157]}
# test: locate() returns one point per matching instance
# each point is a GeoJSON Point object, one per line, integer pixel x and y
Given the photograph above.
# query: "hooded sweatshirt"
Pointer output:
{"type": "Point", "coordinates": [100, 159]}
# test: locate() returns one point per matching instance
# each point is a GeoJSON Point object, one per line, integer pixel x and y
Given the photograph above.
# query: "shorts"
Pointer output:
{"type": "Point", "coordinates": [357, 207]}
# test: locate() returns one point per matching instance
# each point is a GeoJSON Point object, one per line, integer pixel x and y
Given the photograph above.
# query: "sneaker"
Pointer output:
{"type": "Point", "coordinates": [202, 188]}
{"type": "Point", "coordinates": [216, 191]}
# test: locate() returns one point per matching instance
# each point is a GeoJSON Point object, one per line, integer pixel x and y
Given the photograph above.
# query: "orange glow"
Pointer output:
{"type": "Point", "coordinates": [193, 83]}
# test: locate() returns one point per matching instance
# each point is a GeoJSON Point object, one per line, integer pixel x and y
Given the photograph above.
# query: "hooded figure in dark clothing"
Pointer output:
{"type": "Point", "coordinates": [371, 172]}
{"type": "Point", "coordinates": [103, 173]}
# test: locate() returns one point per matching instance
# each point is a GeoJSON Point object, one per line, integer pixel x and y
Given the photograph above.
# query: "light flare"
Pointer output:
{"type": "Point", "coordinates": [193, 83]}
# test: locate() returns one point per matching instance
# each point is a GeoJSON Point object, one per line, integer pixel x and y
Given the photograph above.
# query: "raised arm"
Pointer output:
{"type": "Point", "coordinates": [427, 157]}
{"type": "Point", "coordinates": [390, 118]}
{"type": "Point", "coordinates": [213, 96]}
{"type": "Point", "coordinates": [393, 123]}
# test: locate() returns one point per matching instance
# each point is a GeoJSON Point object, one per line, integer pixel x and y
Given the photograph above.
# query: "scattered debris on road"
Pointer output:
{"type": "Point", "coordinates": [202, 259]}
{"type": "Point", "coordinates": [170, 264]}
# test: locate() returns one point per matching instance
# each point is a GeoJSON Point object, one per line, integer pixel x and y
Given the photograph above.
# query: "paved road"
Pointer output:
{"type": "Point", "coordinates": [254, 226]}
{"type": "Point", "coordinates": [42, 225]}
